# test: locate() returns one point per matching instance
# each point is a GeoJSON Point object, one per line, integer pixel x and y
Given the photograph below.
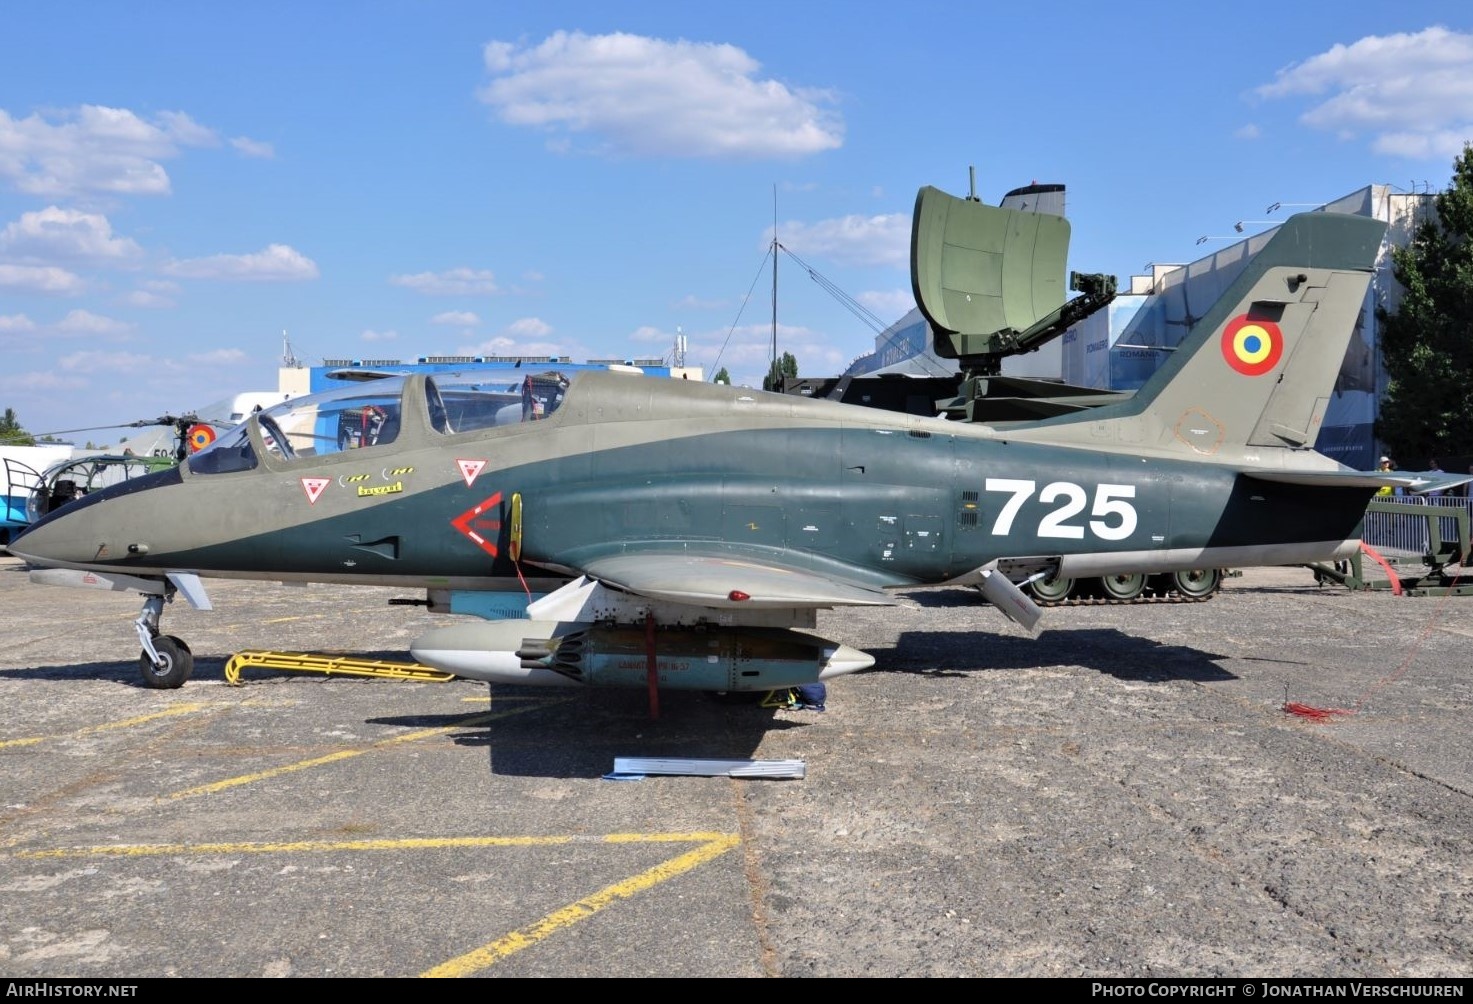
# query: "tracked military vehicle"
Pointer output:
{"type": "Point", "coordinates": [990, 281]}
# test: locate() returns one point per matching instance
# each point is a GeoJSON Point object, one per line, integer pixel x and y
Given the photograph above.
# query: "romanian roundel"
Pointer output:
{"type": "Point", "coordinates": [200, 436]}
{"type": "Point", "coordinates": [1252, 346]}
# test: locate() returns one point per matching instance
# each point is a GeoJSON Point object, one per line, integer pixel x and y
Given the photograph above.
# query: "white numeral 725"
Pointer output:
{"type": "Point", "coordinates": [1071, 498]}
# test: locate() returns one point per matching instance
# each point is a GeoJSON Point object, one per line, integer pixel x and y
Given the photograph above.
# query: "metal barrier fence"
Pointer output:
{"type": "Point", "coordinates": [1403, 526]}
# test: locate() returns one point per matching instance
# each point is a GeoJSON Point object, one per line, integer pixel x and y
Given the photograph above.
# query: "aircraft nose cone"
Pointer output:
{"type": "Point", "coordinates": [100, 529]}
{"type": "Point", "coordinates": [67, 538]}
{"type": "Point", "coordinates": [31, 546]}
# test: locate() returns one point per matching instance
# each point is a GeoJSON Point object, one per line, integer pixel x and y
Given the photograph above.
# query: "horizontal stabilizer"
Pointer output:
{"type": "Point", "coordinates": [1419, 483]}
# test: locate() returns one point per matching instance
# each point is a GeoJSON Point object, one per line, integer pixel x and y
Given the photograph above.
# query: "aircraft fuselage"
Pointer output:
{"type": "Point", "coordinates": [887, 506]}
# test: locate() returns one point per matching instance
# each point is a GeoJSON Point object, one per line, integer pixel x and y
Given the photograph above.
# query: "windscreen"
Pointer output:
{"type": "Point", "coordinates": [351, 417]}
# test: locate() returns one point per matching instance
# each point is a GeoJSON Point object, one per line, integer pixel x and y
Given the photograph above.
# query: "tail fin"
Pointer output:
{"type": "Point", "coordinates": [1258, 369]}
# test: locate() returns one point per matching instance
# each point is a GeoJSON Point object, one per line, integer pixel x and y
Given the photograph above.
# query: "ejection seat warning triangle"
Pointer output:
{"type": "Point", "coordinates": [313, 487]}
{"type": "Point", "coordinates": [469, 469]}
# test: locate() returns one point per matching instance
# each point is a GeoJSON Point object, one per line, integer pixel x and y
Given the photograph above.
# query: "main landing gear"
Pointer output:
{"type": "Point", "coordinates": [166, 661]}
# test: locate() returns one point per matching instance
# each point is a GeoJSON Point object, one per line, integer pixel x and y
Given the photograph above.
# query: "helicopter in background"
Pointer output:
{"type": "Point", "coordinates": [39, 479]}
{"type": "Point", "coordinates": [55, 475]}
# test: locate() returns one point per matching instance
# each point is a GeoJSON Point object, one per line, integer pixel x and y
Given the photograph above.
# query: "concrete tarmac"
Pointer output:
{"type": "Point", "coordinates": [1124, 794]}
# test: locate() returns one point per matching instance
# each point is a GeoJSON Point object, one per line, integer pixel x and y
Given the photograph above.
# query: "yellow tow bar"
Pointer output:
{"type": "Point", "coordinates": [332, 665]}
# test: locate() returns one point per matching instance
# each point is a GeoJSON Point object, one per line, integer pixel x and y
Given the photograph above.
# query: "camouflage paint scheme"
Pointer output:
{"type": "Point", "coordinates": [681, 506]}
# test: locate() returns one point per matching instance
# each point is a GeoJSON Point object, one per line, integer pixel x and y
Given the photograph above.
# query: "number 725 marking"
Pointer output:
{"type": "Point", "coordinates": [1069, 501]}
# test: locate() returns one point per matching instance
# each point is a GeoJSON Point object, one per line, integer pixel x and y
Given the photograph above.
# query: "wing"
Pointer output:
{"type": "Point", "coordinates": [708, 580]}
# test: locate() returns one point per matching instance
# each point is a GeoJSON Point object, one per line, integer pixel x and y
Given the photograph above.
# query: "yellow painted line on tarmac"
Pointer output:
{"type": "Point", "coordinates": [408, 737]}
{"type": "Point", "coordinates": [33, 740]}
{"type": "Point", "coordinates": [714, 845]}
{"type": "Point", "coordinates": [122, 723]}
{"type": "Point", "coordinates": [293, 846]}
{"type": "Point", "coordinates": [711, 846]}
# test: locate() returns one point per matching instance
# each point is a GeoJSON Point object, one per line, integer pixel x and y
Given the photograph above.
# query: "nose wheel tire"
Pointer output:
{"type": "Point", "coordinates": [177, 659]}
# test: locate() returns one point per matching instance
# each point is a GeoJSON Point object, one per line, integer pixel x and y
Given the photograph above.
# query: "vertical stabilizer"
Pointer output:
{"type": "Point", "coordinates": [1256, 372]}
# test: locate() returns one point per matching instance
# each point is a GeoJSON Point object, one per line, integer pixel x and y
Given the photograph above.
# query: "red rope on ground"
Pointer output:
{"type": "Point", "coordinates": [1395, 582]}
{"type": "Point", "coordinates": [1315, 714]}
{"type": "Point", "coordinates": [1328, 714]}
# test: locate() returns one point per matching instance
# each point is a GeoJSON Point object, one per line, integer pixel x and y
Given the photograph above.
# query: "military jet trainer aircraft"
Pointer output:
{"type": "Point", "coordinates": [674, 534]}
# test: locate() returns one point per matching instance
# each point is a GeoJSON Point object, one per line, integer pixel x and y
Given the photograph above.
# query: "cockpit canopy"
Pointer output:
{"type": "Point", "coordinates": [371, 413]}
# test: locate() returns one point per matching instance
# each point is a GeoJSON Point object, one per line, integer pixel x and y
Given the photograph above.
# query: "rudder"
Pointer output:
{"type": "Point", "coordinates": [1257, 370]}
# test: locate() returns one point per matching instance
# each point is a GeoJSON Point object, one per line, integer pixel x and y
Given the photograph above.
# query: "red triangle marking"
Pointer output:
{"type": "Point", "coordinates": [313, 487]}
{"type": "Point", "coordinates": [470, 470]}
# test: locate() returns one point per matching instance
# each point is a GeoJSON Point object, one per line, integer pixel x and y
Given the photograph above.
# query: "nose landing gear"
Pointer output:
{"type": "Point", "coordinates": [166, 661]}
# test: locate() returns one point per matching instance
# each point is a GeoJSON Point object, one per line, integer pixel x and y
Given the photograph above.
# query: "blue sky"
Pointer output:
{"type": "Point", "coordinates": [181, 182]}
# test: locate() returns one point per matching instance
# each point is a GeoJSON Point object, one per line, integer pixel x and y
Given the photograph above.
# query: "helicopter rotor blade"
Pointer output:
{"type": "Point", "coordinates": [142, 423]}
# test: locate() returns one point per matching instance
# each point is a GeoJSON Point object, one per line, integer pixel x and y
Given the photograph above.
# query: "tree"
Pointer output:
{"type": "Point", "coordinates": [1427, 344]}
{"type": "Point", "coordinates": [780, 370]}
{"type": "Point", "coordinates": [11, 431]}
{"type": "Point", "coordinates": [722, 377]}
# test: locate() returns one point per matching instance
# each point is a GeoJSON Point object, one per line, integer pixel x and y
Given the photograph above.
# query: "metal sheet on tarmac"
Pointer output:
{"type": "Point", "coordinates": [1123, 795]}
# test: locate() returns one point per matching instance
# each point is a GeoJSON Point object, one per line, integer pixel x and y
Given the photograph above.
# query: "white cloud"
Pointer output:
{"type": "Point", "coordinates": [503, 346]}
{"type": "Point", "coordinates": [40, 279]}
{"type": "Point", "coordinates": [15, 323]}
{"type": "Point", "coordinates": [84, 322]}
{"type": "Point", "coordinates": [1413, 93]}
{"type": "Point", "coordinates": [148, 301]}
{"type": "Point", "coordinates": [648, 96]}
{"type": "Point", "coordinates": [152, 294]}
{"type": "Point", "coordinates": [888, 305]}
{"type": "Point", "coordinates": [533, 327]}
{"type": "Point", "coordinates": [369, 335]}
{"type": "Point", "coordinates": [253, 148]}
{"type": "Point", "coordinates": [186, 131]}
{"type": "Point", "coordinates": [278, 262]}
{"type": "Point", "coordinates": [94, 149]}
{"type": "Point", "coordinates": [650, 333]}
{"type": "Point", "coordinates": [108, 362]}
{"type": "Point", "coordinates": [463, 318]}
{"type": "Point", "coordinates": [745, 352]}
{"type": "Point", "coordinates": [853, 240]}
{"type": "Point", "coordinates": [1249, 131]}
{"type": "Point", "coordinates": [451, 282]}
{"type": "Point", "coordinates": [68, 235]}
{"type": "Point", "coordinates": [525, 337]}
{"type": "Point", "coordinates": [38, 383]}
